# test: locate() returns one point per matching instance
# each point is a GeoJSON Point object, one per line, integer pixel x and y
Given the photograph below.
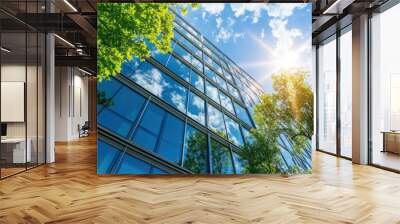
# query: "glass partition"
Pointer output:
{"type": "Point", "coordinates": [346, 93]}
{"type": "Point", "coordinates": [385, 89]}
{"type": "Point", "coordinates": [327, 96]}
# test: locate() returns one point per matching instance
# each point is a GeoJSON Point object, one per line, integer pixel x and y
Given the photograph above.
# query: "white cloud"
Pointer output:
{"type": "Point", "coordinates": [150, 80]}
{"type": "Point", "coordinates": [282, 10]}
{"type": "Point", "coordinates": [240, 9]}
{"type": "Point", "coordinates": [236, 36]}
{"type": "Point", "coordinates": [219, 21]}
{"type": "Point", "coordinates": [262, 33]}
{"type": "Point", "coordinates": [225, 30]}
{"type": "Point", "coordinates": [178, 100]}
{"type": "Point", "coordinates": [213, 8]}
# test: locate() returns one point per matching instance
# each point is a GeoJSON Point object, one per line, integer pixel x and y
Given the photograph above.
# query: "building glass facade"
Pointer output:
{"type": "Point", "coordinates": [189, 111]}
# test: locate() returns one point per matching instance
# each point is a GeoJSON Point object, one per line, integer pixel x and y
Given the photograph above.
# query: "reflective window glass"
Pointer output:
{"type": "Point", "coordinates": [179, 68]}
{"type": "Point", "coordinates": [161, 85]}
{"type": "Point", "coordinates": [195, 153]}
{"type": "Point", "coordinates": [147, 133]}
{"type": "Point", "coordinates": [197, 64]}
{"type": "Point", "coordinates": [240, 164]}
{"type": "Point", "coordinates": [221, 160]}
{"type": "Point", "coordinates": [196, 108]}
{"type": "Point", "coordinates": [161, 57]}
{"type": "Point", "coordinates": [248, 137]}
{"type": "Point", "coordinates": [197, 81]}
{"type": "Point", "coordinates": [122, 111]}
{"type": "Point", "coordinates": [226, 102]}
{"type": "Point", "coordinates": [221, 82]}
{"type": "Point", "coordinates": [171, 141]}
{"type": "Point", "coordinates": [183, 53]}
{"type": "Point", "coordinates": [106, 156]}
{"type": "Point", "coordinates": [210, 74]}
{"type": "Point", "coordinates": [233, 130]}
{"type": "Point", "coordinates": [212, 92]}
{"type": "Point", "coordinates": [228, 75]}
{"type": "Point", "coordinates": [132, 165]}
{"type": "Point", "coordinates": [216, 120]}
{"type": "Point", "coordinates": [232, 90]}
{"type": "Point", "coordinates": [242, 114]}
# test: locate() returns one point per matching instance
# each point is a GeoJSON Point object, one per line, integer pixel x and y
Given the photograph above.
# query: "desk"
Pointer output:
{"type": "Point", "coordinates": [391, 141]}
{"type": "Point", "coordinates": [13, 150]}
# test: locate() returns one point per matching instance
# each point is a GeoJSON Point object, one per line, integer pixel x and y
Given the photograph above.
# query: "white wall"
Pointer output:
{"type": "Point", "coordinates": [71, 102]}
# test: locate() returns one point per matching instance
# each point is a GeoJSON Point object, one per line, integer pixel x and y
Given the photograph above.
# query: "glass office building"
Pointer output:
{"type": "Point", "coordinates": [185, 112]}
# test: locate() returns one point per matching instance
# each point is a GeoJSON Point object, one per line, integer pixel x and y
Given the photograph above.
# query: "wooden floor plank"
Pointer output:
{"type": "Point", "coordinates": [70, 191]}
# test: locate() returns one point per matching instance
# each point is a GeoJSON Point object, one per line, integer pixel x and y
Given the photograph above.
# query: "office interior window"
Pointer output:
{"type": "Point", "coordinates": [385, 88]}
{"type": "Point", "coordinates": [346, 93]}
{"type": "Point", "coordinates": [327, 95]}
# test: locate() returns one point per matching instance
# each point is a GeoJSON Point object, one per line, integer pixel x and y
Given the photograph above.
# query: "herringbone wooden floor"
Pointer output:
{"type": "Point", "coordinates": [69, 191]}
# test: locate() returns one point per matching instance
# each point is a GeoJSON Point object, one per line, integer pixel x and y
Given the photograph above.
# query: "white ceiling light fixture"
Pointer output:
{"type": "Point", "coordinates": [70, 5]}
{"type": "Point", "coordinates": [65, 41]}
{"type": "Point", "coordinates": [337, 7]}
{"type": "Point", "coordinates": [5, 50]}
{"type": "Point", "coordinates": [84, 71]}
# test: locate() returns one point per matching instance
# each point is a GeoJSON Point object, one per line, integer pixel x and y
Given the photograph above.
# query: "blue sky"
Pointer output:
{"type": "Point", "coordinates": [262, 38]}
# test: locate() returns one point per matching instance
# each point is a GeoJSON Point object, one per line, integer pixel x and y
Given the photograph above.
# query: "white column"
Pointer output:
{"type": "Point", "coordinates": [50, 99]}
{"type": "Point", "coordinates": [360, 89]}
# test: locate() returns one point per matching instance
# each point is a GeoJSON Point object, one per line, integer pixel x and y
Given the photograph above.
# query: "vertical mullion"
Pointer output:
{"type": "Point", "coordinates": [338, 98]}
{"type": "Point", "coordinates": [317, 97]}
{"type": "Point", "coordinates": [26, 87]}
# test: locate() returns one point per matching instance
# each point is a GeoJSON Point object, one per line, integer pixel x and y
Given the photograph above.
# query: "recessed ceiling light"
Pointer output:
{"type": "Point", "coordinates": [65, 41]}
{"type": "Point", "coordinates": [5, 50]}
{"type": "Point", "coordinates": [70, 5]}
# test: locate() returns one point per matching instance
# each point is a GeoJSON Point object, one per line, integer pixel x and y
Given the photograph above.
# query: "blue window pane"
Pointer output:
{"type": "Point", "coordinates": [123, 111]}
{"type": "Point", "coordinates": [196, 108]}
{"type": "Point", "coordinates": [197, 64]}
{"type": "Point", "coordinates": [106, 156]}
{"type": "Point", "coordinates": [129, 67]}
{"type": "Point", "coordinates": [210, 74]}
{"type": "Point", "coordinates": [233, 130]}
{"type": "Point", "coordinates": [195, 152]}
{"type": "Point", "coordinates": [105, 90]}
{"type": "Point", "coordinates": [187, 43]}
{"type": "Point", "coordinates": [179, 68]}
{"type": "Point", "coordinates": [221, 159]}
{"type": "Point", "coordinates": [155, 170]}
{"type": "Point", "coordinates": [108, 87]}
{"type": "Point", "coordinates": [183, 53]}
{"type": "Point", "coordinates": [171, 140]}
{"type": "Point", "coordinates": [248, 137]}
{"type": "Point", "coordinates": [240, 164]}
{"type": "Point", "coordinates": [160, 57]}
{"type": "Point", "coordinates": [221, 82]}
{"type": "Point", "coordinates": [228, 76]}
{"type": "Point", "coordinates": [216, 120]}
{"type": "Point", "coordinates": [197, 81]}
{"type": "Point", "coordinates": [132, 165]}
{"type": "Point", "coordinates": [242, 114]}
{"type": "Point", "coordinates": [232, 90]}
{"type": "Point", "coordinates": [149, 128]}
{"type": "Point", "coordinates": [207, 58]}
{"type": "Point", "coordinates": [161, 85]}
{"type": "Point", "coordinates": [226, 102]}
{"type": "Point", "coordinates": [114, 122]}
{"type": "Point", "coordinates": [212, 92]}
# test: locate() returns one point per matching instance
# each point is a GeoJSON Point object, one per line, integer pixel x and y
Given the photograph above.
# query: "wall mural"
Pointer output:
{"type": "Point", "coordinates": [210, 88]}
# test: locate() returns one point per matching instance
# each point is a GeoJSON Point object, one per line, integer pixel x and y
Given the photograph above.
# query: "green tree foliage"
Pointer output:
{"type": "Point", "coordinates": [287, 111]}
{"type": "Point", "coordinates": [196, 153]}
{"type": "Point", "coordinates": [132, 29]}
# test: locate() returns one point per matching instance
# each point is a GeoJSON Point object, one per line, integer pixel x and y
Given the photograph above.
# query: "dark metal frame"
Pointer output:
{"type": "Point", "coordinates": [338, 34]}
{"type": "Point", "coordinates": [44, 77]}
